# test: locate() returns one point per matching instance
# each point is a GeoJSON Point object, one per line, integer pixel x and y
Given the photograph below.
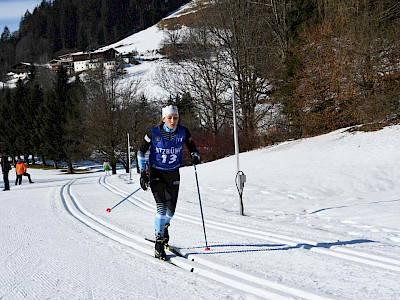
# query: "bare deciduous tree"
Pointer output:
{"type": "Point", "coordinates": [350, 71]}
{"type": "Point", "coordinates": [249, 43]}
{"type": "Point", "coordinates": [233, 41]}
{"type": "Point", "coordinates": [200, 72]}
{"type": "Point", "coordinates": [108, 120]}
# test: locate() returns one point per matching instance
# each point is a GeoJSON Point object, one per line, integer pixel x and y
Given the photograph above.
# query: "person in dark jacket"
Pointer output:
{"type": "Point", "coordinates": [5, 169]}
{"type": "Point", "coordinates": [165, 145]}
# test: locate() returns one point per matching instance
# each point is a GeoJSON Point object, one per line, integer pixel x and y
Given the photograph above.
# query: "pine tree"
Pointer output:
{"type": "Point", "coordinates": [5, 116]}
{"type": "Point", "coordinates": [53, 117]}
{"type": "Point", "coordinates": [75, 147]}
{"type": "Point", "coordinates": [6, 35]}
{"type": "Point", "coordinates": [43, 129]}
{"type": "Point", "coordinates": [34, 100]}
{"type": "Point", "coordinates": [19, 119]}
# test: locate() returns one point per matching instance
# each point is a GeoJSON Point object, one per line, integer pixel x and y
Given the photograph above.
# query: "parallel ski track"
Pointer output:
{"type": "Point", "coordinates": [237, 279]}
{"type": "Point", "coordinates": [335, 250]}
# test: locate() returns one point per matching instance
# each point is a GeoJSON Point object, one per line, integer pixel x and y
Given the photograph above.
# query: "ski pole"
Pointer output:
{"type": "Point", "coordinates": [201, 208]}
{"type": "Point", "coordinates": [110, 209]}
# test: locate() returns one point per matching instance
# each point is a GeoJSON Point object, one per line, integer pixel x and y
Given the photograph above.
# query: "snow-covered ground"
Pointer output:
{"type": "Point", "coordinates": [146, 74]}
{"type": "Point", "coordinates": [148, 41]}
{"type": "Point", "coordinates": [321, 221]}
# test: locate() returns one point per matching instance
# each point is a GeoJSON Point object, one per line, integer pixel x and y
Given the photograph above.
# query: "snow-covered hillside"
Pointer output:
{"type": "Point", "coordinates": [148, 42]}
{"type": "Point", "coordinates": [146, 46]}
{"type": "Point", "coordinates": [321, 222]}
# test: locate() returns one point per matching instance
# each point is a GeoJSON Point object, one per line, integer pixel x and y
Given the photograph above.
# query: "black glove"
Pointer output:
{"type": "Point", "coordinates": [195, 158]}
{"type": "Point", "coordinates": [144, 180]}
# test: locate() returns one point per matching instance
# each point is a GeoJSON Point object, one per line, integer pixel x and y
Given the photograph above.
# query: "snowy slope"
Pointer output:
{"type": "Point", "coordinates": [321, 222]}
{"type": "Point", "coordinates": [148, 41]}
{"type": "Point", "coordinates": [146, 44]}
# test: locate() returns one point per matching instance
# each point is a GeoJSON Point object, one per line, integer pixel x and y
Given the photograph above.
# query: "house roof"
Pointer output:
{"type": "Point", "coordinates": [21, 64]}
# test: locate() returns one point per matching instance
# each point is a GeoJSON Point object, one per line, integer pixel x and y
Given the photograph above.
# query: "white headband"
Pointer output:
{"type": "Point", "coordinates": [169, 110]}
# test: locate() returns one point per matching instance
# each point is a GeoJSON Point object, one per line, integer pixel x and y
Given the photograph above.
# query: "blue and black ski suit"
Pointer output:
{"type": "Point", "coordinates": [165, 148]}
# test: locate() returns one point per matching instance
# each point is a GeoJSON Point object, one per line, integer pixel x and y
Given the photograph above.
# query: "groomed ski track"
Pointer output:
{"type": "Point", "coordinates": [240, 280]}
{"type": "Point", "coordinates": [337, 251]}
{"type": "Point", "coordinates": [209, 268]}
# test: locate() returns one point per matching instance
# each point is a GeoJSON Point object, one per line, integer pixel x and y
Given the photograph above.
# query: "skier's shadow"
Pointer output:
{"type": "Point", "coordinates": [238, 248]}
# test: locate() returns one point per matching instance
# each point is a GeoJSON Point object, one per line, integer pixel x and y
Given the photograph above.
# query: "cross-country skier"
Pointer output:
{"type": "Point", "coordinates": [165, 143]}
{"type": "Point", "coordinates": [106, 167]}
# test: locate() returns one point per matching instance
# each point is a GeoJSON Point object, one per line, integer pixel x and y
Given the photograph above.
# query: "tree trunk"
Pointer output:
{"type": "Point", "coordinates": [70, 169]}
{"type": "Point", "coordinates": [33, 159]}
{"type": "Point", "coordinates": [43, 161]}
{"type": "Point", "coordinates": [114, 167]}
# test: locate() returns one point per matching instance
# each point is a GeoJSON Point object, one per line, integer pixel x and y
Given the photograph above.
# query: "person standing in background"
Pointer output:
{"type": "Point", "coordinates": [21, 171]}
{"type": "Point", "coordinates": [5, 169]}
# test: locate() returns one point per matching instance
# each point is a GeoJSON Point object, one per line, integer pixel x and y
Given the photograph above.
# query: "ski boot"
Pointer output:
{"type": "Point", "coordinates": [166, 234]}
{"type": "Point", "coordinates": [159, 251]}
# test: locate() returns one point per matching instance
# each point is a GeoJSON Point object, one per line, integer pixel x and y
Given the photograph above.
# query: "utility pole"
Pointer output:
{"type": "Point", "coordinates": [129, 158]}
{"type": "Point", "coordinates": [240, 177]}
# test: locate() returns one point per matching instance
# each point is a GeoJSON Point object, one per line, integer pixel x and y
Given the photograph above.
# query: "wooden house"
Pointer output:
{"type": "Point", "coordinates": [21, 68]}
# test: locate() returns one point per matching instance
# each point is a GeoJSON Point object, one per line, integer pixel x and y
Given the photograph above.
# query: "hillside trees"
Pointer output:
{"type": "Point", "coordinates": [111, 102]}
{"type": "Point", "coordinates": [59, 122]}
{"type": "Point", "coordinates": [199, 72]}
{"type": "Point", "coordinates": [142, 115]}
{"type": "Point", "coordinates": [72, 119]}
{"type": "Point", "coordinates": [7, 55]}
{"type": "Point", "coordinates": [6, 35]}
{"type": "Point", "coordinates": [76, 146]}
{"type": "Point", "coordinates": [18, 113]}
{"type": "Point", "coordinates": [30, 108]}
{"type": "Point", "coordinates": [321, 64]}
{"type": "Point", "coordinates": [350, 66]}
{"type": "Point", "coordinates": [241, 42]}
{"type": "Point", "coordinates": [53, 118]}
{"type": "Point", "coordinates": [46, 123]}
{"type": "Point", "coordinates": [301, 67]}
{"type": "Point", "coordinates": [7, 132]}
{"type": "Point", "coordinates": [19, 131]}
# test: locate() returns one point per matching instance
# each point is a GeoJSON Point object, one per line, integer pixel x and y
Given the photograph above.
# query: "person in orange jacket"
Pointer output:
{"type": "Point", "coordinates": [21, 171]}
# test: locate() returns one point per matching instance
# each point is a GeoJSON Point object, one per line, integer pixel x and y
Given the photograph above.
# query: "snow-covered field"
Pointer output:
{"type": "Point", "coordinates": [321, 221]}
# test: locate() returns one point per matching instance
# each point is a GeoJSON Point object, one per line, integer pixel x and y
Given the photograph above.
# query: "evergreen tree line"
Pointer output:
{"type": "Point", "coordinates": [63, 26]}
{"type": "Point", "coordinates": [57, 117]}
{"type": "Point", "coordinates": [71, 120]}
{"type": "Point", "coordinates": [34, 121]}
